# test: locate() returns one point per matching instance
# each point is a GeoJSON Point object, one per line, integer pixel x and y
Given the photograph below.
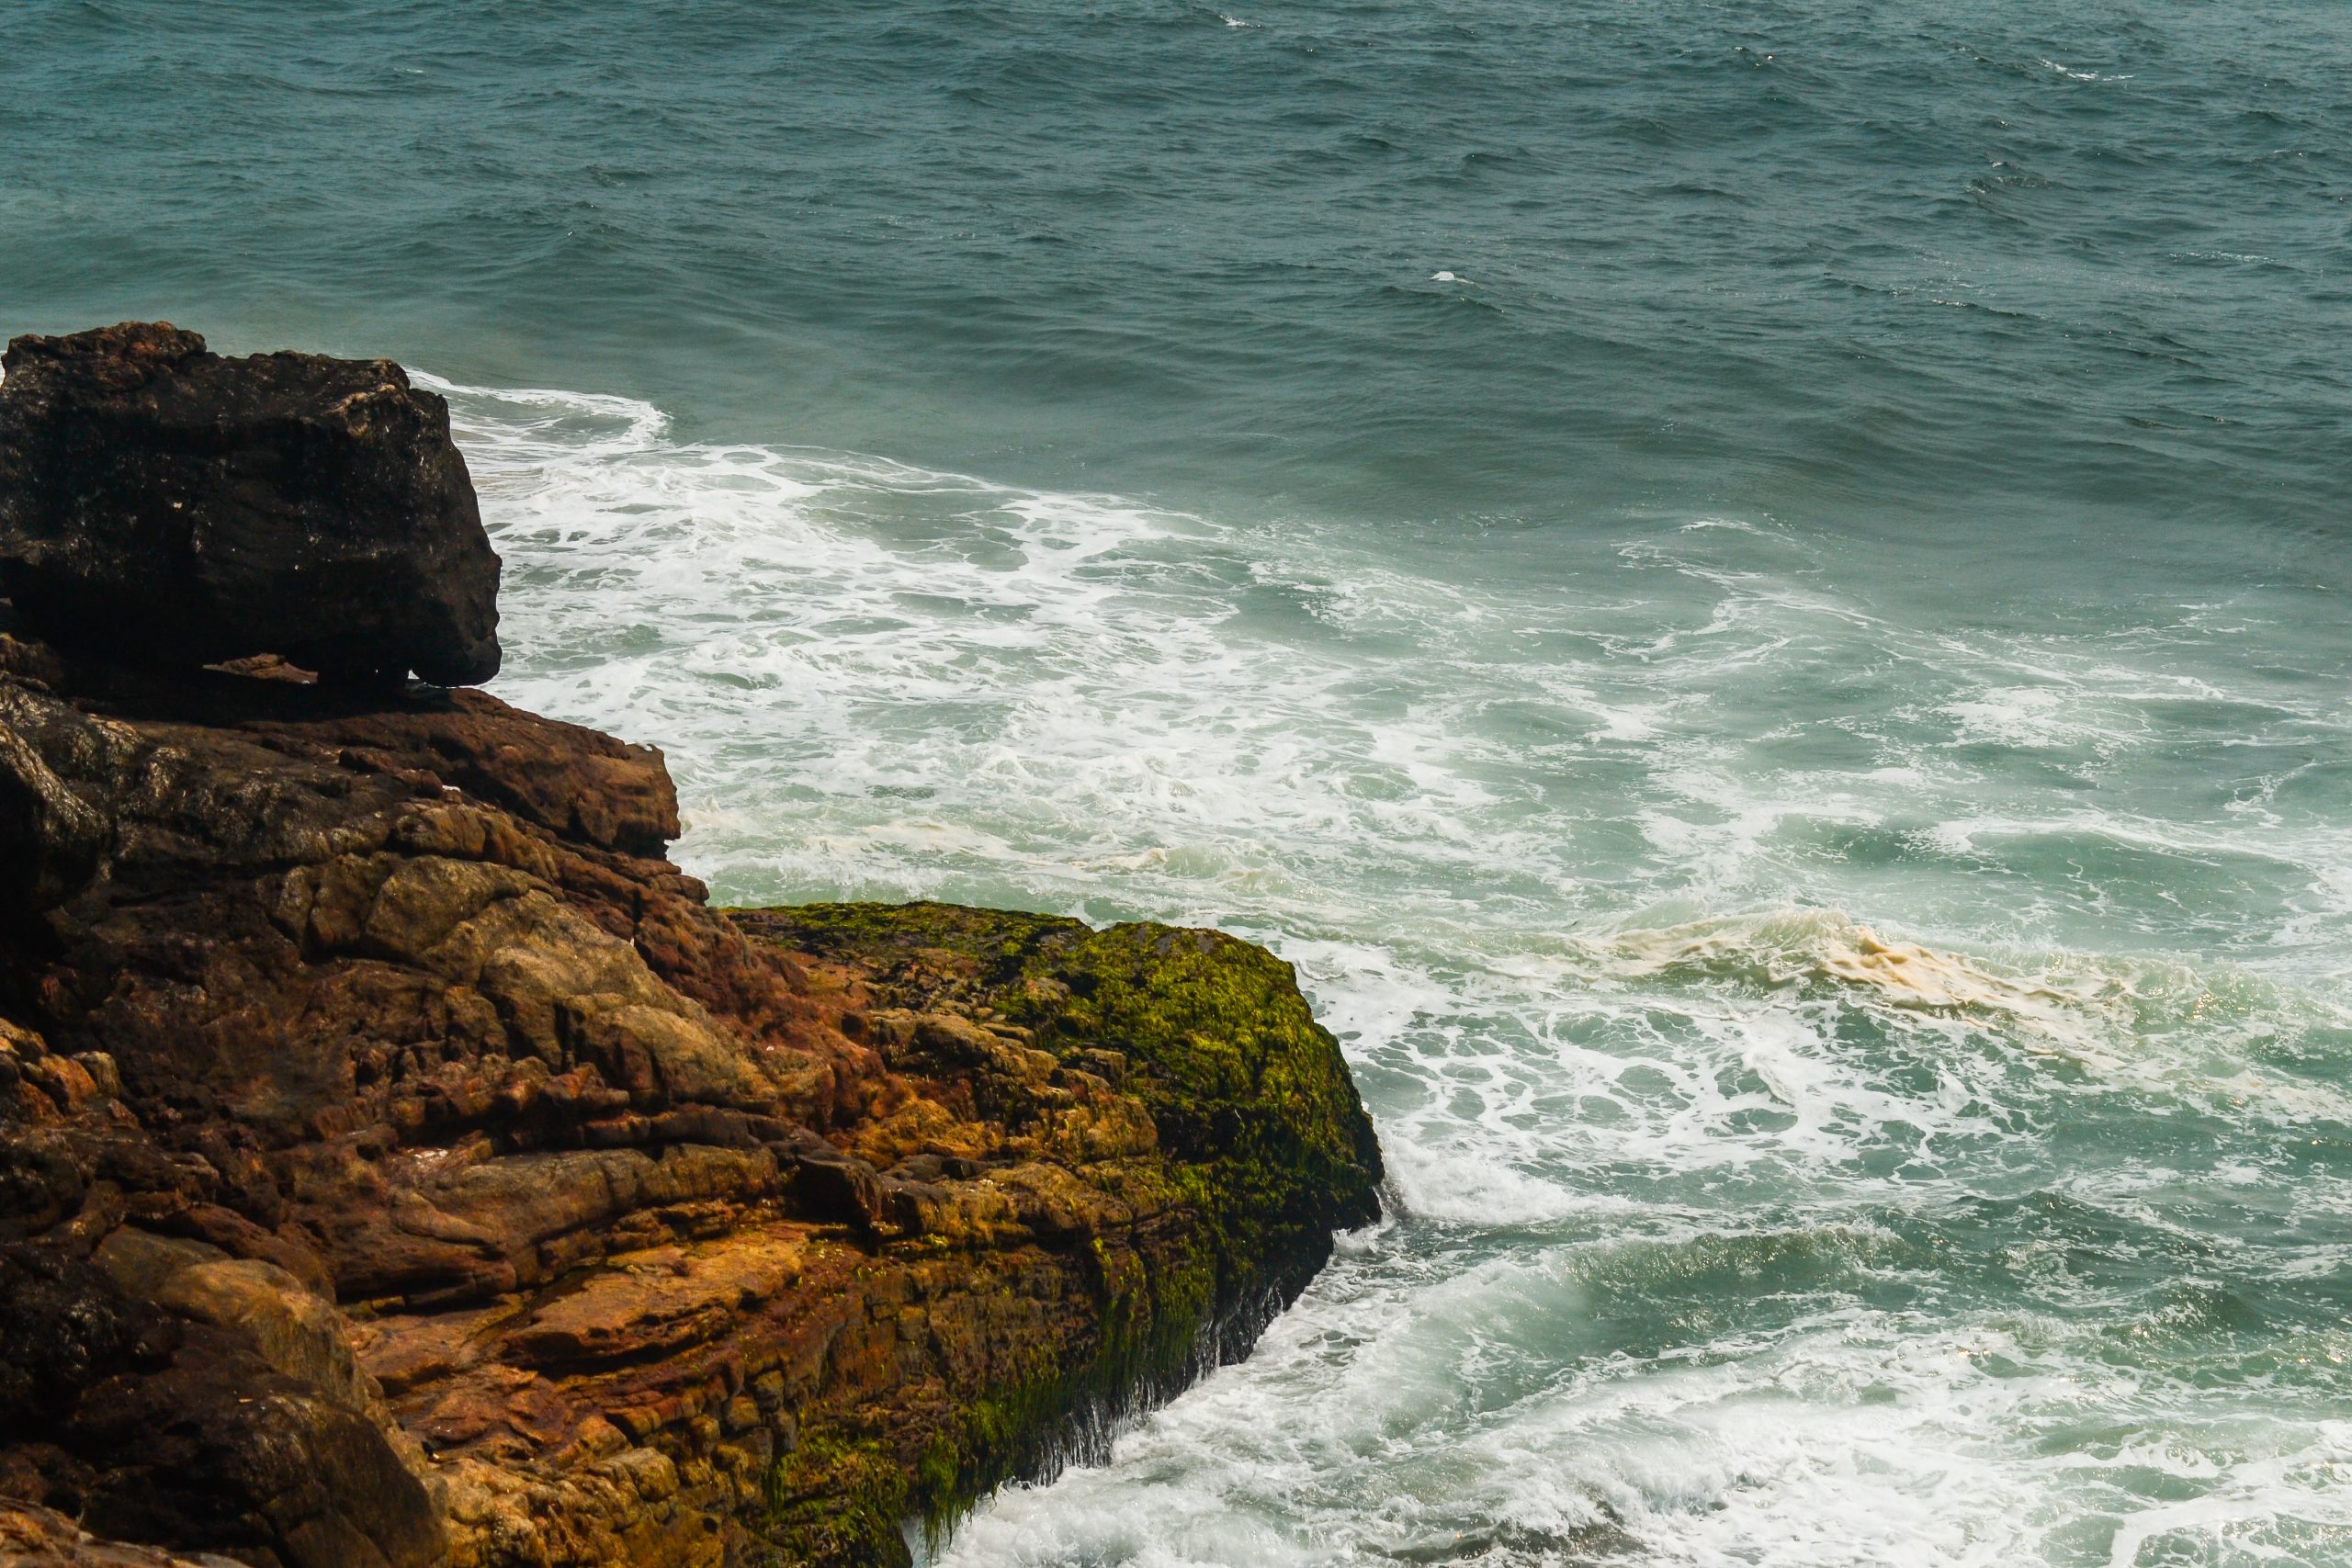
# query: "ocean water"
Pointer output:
{"type": "Point", "coordinates": [1756, 594]}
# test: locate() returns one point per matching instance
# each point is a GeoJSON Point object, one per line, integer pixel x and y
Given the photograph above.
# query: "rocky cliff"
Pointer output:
{"type": "Point", "coordinates": [402, 1163]}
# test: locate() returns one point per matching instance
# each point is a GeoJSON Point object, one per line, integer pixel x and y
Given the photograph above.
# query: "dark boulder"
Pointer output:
{"type": "Point", "coordinates": [157, 1427]}
{"type": "Point", "coordinates": [163, 506]}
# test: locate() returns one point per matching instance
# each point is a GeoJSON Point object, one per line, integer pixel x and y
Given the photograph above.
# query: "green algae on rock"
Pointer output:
{"type": "Point", "coordinates": [1255, 1147]}
{"type": "Point", "coordinates": [1258, 1119]}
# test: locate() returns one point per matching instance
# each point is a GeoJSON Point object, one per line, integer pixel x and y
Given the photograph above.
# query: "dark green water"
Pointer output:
{"type": "Point", "coordinates": [1756, 595]}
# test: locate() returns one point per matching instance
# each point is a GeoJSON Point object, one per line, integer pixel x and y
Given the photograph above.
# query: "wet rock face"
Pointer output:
{"type": "Point", "coordinates": [163, 506]}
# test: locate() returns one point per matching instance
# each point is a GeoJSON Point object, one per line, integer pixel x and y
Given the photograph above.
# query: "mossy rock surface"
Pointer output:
{"type": "Point", "coordinates": [1264, 1150]}
{"type": "Point", "coordinates": [1256, 1109]}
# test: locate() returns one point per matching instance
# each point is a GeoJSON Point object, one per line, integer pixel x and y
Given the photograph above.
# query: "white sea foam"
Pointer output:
{"type": "Point", "coordinates": [1846, 1439]}
{"type": "Point", "coordinates": [1724, 1228]}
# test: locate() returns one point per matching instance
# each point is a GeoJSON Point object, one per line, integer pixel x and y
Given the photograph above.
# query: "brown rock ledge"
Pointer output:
{"type": "Point", "coordinates": [401, 1163]}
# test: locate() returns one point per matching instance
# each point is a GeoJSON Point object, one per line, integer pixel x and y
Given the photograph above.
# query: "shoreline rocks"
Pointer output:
{"type": "Point", "coordinates": [164, 507]}
{"type": "Point", "coordinates": [402, 1163]}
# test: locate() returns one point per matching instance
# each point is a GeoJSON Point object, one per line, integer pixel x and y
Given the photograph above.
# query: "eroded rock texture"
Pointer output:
{"type": "Point", "coordinates": [160, 504]}
{"type": "Point", "coordinates": [401, 1163]}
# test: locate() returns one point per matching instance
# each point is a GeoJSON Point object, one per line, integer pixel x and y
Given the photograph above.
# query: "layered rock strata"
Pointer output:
{"type": "Point", "coordinates": [402, 1164]}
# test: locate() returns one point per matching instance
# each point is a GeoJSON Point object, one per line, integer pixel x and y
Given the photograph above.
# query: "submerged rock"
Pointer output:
{"type": "Point", "coordinates": [163, 506]}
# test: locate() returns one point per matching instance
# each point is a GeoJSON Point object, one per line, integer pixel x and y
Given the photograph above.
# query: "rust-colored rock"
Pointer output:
{"type": "Point", "coordinates": [401, 1163]}
{"type": "Point", "coordinates": [42, 1538]}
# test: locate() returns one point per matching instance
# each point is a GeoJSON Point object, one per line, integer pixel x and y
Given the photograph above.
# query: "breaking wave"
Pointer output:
{"type": "Point", "coordinates": [1996, 1221]}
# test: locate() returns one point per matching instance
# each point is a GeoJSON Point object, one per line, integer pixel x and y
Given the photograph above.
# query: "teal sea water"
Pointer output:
{"type": "Point", "coordinates": [1757, 595]}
